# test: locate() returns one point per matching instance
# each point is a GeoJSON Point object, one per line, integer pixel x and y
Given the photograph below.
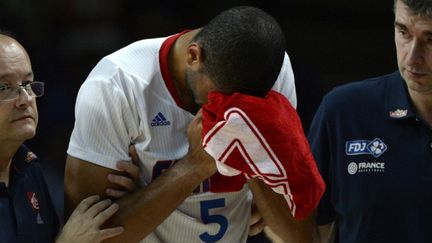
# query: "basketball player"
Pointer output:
{"type": "Point", "coordinates": [147, 94]}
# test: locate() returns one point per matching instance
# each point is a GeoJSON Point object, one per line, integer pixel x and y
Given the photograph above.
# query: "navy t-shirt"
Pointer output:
{"type": "Point", "coordinates": [375, 155]}
{"type": "Point", "coordinates": [26, 210]}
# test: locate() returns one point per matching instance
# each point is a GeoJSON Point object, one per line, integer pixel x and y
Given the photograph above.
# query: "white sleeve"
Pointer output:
{"type": "Point", "coordinates": [285, 83]}
{"type": "Point", "coordinates": [105, 123]}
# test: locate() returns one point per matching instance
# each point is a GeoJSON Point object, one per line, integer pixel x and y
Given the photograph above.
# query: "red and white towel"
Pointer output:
{"type": "Point", "coordinates": [250, 136]}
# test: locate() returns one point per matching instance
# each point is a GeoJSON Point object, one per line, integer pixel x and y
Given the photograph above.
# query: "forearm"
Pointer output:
{"type": "Point", "coordinates": [325, 233]}
{"type": "Point", "coordinates": [277, 216]}
{"type": "Point", "coordinates": [141, 212]}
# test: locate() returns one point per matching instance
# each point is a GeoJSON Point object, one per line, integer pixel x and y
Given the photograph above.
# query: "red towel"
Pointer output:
{"type": "Point", "coordinates": [261, 137]}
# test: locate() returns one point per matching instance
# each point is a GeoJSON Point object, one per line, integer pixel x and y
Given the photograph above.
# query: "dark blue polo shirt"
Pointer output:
{"type": "Point", "coordinates": [26, 210]}
{"type": "Point", "coordinates": [375, 156]}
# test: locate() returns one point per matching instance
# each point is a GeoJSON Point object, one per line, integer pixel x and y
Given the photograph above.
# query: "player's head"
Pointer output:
{"type": "Point", "coordinates": [241, 50]}
{"type": "Point", "coordinates": [18, 111]}
{"type": "Point", "coordinates": [413, 34]}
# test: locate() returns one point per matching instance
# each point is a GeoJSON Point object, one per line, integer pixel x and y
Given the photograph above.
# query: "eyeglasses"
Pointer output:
{"type": "Point", "coordinates": [33, 89]}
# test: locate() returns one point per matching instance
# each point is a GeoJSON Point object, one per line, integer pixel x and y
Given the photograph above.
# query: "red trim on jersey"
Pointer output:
{"type": "Point", "coordinates": [163, 62]}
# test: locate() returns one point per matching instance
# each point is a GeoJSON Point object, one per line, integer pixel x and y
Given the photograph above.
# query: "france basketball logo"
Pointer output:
{"type": "Point", "coordinates": [352, 168]}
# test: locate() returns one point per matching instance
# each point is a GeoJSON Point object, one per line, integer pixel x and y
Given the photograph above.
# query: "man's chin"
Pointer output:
{"type": "Point", "coordinates": [27, 132]}
{"type": "Point", "coordinates": [29, 136]}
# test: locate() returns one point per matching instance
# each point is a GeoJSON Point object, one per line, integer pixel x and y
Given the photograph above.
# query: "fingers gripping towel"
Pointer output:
{"type": "Point", "coordinates": [250, 137]}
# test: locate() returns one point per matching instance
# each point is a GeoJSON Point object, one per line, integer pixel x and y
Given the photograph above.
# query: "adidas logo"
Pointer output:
{"type": "Point", "coordinates": [160, 120]}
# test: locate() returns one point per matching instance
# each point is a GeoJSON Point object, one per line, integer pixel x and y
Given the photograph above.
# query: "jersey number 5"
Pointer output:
{"type": "Point", "coordinates": [207, 218]}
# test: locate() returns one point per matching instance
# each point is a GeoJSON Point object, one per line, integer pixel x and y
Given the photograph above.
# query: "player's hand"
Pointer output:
{"type": "Point", "coordinates": [84, 222]}
{"type": "Point", "coordinates": [128, 181]}
{"type": "Point", "coordinates": [196, 151]}
{"type": "Point", "coordinates": [257, 223]}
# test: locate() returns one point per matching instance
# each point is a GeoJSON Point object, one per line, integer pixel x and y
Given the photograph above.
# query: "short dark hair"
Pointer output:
{"type": "Point", "coordinates": [243, 50]}
{"type": "Point", "coordinates": [418, 7]}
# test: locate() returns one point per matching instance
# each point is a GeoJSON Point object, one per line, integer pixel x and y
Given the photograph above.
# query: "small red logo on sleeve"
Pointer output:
{"type": "Point", "coordinates": [30, 157]}
{"type": "Point", "coordinates": [34, 202]}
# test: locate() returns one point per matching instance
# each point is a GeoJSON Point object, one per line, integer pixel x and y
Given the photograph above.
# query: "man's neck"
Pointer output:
{"type": "Point", "coordinates": [423, 105]}
{"type": "Point", "coordinates": [4, 172]}
{"type": "Point", "coordinates": [7, 151]}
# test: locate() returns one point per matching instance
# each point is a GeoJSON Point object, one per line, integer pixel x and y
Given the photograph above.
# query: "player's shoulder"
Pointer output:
{"type": "Point", "coordinates": [139, 61]}
{"type": "Point", "coordinates": [360, 92]}
{"type": "Point", "coordinates": [144, 46]}
{"type": "Point", "coordinates": [135, 57]}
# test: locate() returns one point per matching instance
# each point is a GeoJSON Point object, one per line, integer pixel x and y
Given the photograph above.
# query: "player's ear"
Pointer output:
{"type": "Point", "coordinates": [194, 56]}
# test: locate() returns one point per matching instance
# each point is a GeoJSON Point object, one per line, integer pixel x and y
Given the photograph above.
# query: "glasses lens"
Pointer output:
{"type": "Point", "coordinates": [34, 89]}
{"type": "Point", "coordinates": [37, 88]}
{"type": "Point", "coordinates": [6, 92]}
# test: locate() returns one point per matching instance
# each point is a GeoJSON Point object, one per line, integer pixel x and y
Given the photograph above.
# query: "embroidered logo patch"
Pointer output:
{"type": "Point", "coordinates": [160, 120]}
{"type": "Point", "coordinates": [398, 113]}
{"type": "Point", "coordinates": [352, 168]}
{"type": "Point", "coordinates": [34, 202]}
{"type": "Point", "coordinates": [366, 166]}
{"type": "Point", "coordinates": [30, 157]}
{"type": "Point", "coordinates": [39, 219]}
{"type": "Point", "coordinates": [375, 147]}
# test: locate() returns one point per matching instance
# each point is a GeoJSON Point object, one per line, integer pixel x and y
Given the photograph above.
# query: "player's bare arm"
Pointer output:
{"type": "Point", "coordinates": [143, 210]}
{"type": "Point", "coordinates": [325, 233]}
{"type": "Point", "coordinates": [276, 214]}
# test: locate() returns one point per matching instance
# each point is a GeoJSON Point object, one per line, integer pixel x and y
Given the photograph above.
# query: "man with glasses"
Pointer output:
{"type": "Point", "coordinates": [26, 210]}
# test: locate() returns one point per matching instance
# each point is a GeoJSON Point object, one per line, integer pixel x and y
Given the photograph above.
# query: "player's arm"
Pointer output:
{"type": "Point", "coordinates": [276, 214]}
{"type": "Point", "coordinates": [325, 233]}
{"type": "Point", "coordinates": [140, 212]}
{"type": "Point", "coordinates": [143, 210]}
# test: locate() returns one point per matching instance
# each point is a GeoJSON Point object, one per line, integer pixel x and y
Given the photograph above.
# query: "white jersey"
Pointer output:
{"type": "Point", "coordinates": [126, 100]}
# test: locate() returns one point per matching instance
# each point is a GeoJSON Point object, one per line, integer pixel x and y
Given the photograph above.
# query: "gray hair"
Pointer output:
{"type": "Point", "coordinates": [418, 7]}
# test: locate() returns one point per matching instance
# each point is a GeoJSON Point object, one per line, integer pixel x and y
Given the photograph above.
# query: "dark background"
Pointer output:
{"type": "Point", "coordinates": [330, 42]}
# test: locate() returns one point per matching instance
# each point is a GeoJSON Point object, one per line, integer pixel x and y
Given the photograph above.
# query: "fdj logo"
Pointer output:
{"type": "Point", "coordinates": [375, 147]}
{"type": "Point", "coordinates": [356, 147]}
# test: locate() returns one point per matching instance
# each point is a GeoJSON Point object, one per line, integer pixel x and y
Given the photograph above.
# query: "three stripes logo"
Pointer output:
{"type": "Point", "coordinates": [160, 120]}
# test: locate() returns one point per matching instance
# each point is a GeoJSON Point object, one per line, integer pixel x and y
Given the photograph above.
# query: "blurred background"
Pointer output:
{"type": "Point", "coordinates": [330, 42]}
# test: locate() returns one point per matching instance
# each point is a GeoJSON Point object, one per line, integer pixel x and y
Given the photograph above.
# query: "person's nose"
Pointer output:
{"type": "Point", "coordinates": [415, 53]}
{"type": "Point", "coordinates": [24, 99]}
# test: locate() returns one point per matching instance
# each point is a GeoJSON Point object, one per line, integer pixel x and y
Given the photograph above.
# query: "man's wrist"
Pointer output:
{"type": "Point", "coordinates": [202, 165]}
